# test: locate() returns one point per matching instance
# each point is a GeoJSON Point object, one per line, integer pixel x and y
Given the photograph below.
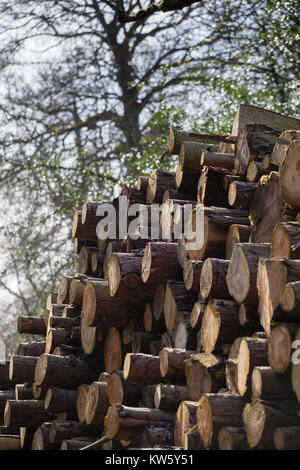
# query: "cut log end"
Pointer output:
{"type": "Point", "coordinates": [115, 391]}
{"type": "Point", "coordinates": [112, 422]}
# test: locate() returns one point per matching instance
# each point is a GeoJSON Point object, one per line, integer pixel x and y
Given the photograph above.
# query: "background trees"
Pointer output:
{"type": "Point", "coordinates": [87, 102]}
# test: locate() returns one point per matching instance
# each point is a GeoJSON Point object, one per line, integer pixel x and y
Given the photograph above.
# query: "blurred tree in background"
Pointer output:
{"type": "Point", "coordinates": [87, 103]}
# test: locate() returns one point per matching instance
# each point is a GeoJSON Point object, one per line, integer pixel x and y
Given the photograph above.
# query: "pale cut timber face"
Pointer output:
{"type": "Point", "coordinates": [89, 303]}
{"type": "Point", "coordinates": [280, 243]}
{"type": "Point", "coordinates": [204, 421]}
{"type": "Point", "coordinates": [88, 337]}
{"type": "Point", "coordinates": [238, 275]}
{"type": "Point", "coordinates": [40, 369]}
{"type": "Point", "coordinates": [113, 274]}
{"type": "Point", "coordinates": [279, 341]}
{"type": "Point", "coordinates": [112, 350]}
{"type": "Point", "coordinates": [255, 424]}
{"type": "Point", "coordinates": [146, 264]}
{"type": "Point", "coordinates": [76, 220]}
{"type": "Point", "coordinates": [82, 392]}
{"type": "Point", "coordinates": [290, 175]}
{"type": "Point", "coordinates": [126, 366]}
{"type": "Point", "coordinates": [91, 403]}
{"type": "Point", "coordinates": [243, 367]}
{"type": "Point", "coordinates": [206, 278]}
{"type": "Point", "coordinates": [288, 301]}
{"type": "Point", "coordinates": [112, 422]}
{"type": "Point", "coordinates": [210, 328]}
{"type": "Point", "coordinates": [256, 383]}
{"type": "Point", "coordinates": [115, 389]}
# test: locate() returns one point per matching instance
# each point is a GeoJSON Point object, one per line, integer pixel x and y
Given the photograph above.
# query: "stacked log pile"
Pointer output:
{"type": "Point", "coordinates": [154, 344]}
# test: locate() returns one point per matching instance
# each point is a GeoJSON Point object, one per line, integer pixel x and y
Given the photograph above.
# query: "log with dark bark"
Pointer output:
{"type": "Point", "coordinates": [100, 309]}
{"type": "Point", "coordinates": [154, 436]}
{"type": "Point", "coordinates": [121, 391]}
{"type": "Point", "coordinates": [249, 317]}
{"type": "Point", "coordinates": [245, 354]}
{"type": "Point", "coordinates": [172, 362]}
{"type": "Point", "coordinates": [191, 274]}
{"type": "Point", "coordinates": [34, 348]}
{"type": "Point", "coordinates": [240, 194]}
{"type": "Point", "coordinates": [219, 160]}
{"type": "Point", "coordinates": [86, 229]}
{"type": "Point", "coordinates": [242, 271]}
{"type": "Point", "coordinates": [85, 260]}
{"type": "Point", "coordinates": [220, 325]}
{"type": "Point", "coordinates": [190, 155]}
{"type": "Point", "coordinates": [97, 260]}
{"type": "Point", "coordinates": [254, 140]}
{"type": "Point", "coordinates": [186, 418]}
{"type": "Point", "coordinates": [80, 242]}
{"type": "Point", "coordinates": [261, 418]}
{"type": "Point", "coordinates": [197, 314]}
{"type": "Point", "coordinates": [281, 148]}
{"type": "Point", "coordinates": [205, 373]}
{"type": "Point", "coordinates": [227, 179]}
{"type": "Point", "coordinates": [286, 240]}
{"type": "Point", "coordinates": [124, 268]}
{"type": "Point", "coordinates": [61, 430]}
{"type": "Point", "coordinates": [177, 299]}
{"type": "Point", "coordinates": [169, 397]}
{"type": "Point", "coordinates": [192, 439]}
{"type": "Point", "coordinates": [10, 443]}
{"type": "Point", "coordinates": [58, 400]}
{"type": "Point", "coordinates": [160, 263]}
{"type": "Point", "coordinates": [213, 279]}
{"type": "Point", "coordinates": [215, 411]}
{"type": "Point", "coordinates": [96, 404]}
{"type": "Point", "coordinates": [210, 189]}
{"type": "Point", "coordinates": [159, 181]}
{"type": "Point", "coordinates": [269, 385]}
{"type": "Point", "coordinates": [21, 369]}
{"type": "Point", "coordinates": [211, 225]}
{"type": "Point", "coordinates": [135, 366]}
{"type": "Point", "coordinates": [113, 350]}
{"type": "Point", "coordinates": [289, 175]}
{"type": "Point", "coordinates": [273, 275]}
{"type": "Point", "coordinates": [255, 170]}
{"type": "Point", "coordinates": [23, 392]}
{"type": "Point", "coordinates": [287, 437]}
{"type": "Point", "coordinates": [65, 372]}
{"type": "Point", "coordinates": [25, 413]}
{"type": "Point", "coordinates": [290, 298]}
{"type": "Point", "coordinates": [266, 209]}
{"type": "Point", "coordinates": [64, 322]}
{"type": "Point", "coordinates": [177, 137]}
{"type": "Point", "coordinates": [63, 290]}
{"type": "Point", "coordinates": [31, 325]}
{"type": "Point", "coordinates": [123, 422]}
{"type": "Point", "coordinates": [232, 438]}
{"type": "Point", "coordinates": [236, 234]}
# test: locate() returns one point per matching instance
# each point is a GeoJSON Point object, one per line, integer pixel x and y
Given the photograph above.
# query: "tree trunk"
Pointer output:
{"type": "Point", "coordinates": [236, 234]}
{"type": "Point", "coordinates": [242, 271]}
{"type": "Point", "coordinates": [89, 337]}
{"type": "Point", "coordinates": [160, 263]}
{"type": "Point", "coordinates": [255, 170]}
{"type": "Point", "coordinates": [172, 362]}
{"type": "Point", "coordinates": [254, 140]}
{"type": "Point", "coordinates": [273, 274]}
{"type": "Point", "coordinates": [240, 194]}
{"type": "Point", "coordinates": [215, 411]}
{"type": "Point", "coordinates": [219, 160]}
{"type": "Point", "coordinates": [205, 373]}
{"type": "Point", "coordinates": [159, 181]}
{"type": "Point", "coordinates": [269, 385]}
{"type": "Point", "coordinates": [123, 392]}
{"type": "Point", "coordinates": [184, 336]}
{"type": "Point", "coordinates": [176, 138]}
{"type": "Point", "coordinates": [266, 209]}
{"type": "Point", "coordinates": [96, 404]}
{"type": "Point", "coordinates": [80, 242]}
{"type": "Point", "coordinates": [63, 290]}
{"type": "Point", "coordinates": [246, 353]}
{"type": "Point", "coordinates": [210, 189]}
{"type": "Point", "coordinates": [280, 346]}
{"type": "Point", "coordinates": [220, 325]}
{"type": "Point", "coordinates": [82, 392]}
{"type": "Point", "coordinates": [191, 274]}
{"type": "Point", "coordinates": [31, 325]}
{"type": "Point", "coordinates": [135, 366]}
{"type": "Point", "coordinates": [125, 268]}
{"type": "Point", "coordinates": [34, 348]}
{"type": "Point", "coordinates": [100, 309]}
{"type": "Point", "coordinates": [25, 413]}
{"type": "Point", "coordinates": [262, 418]}
{"type": "Point", "coordinates": [169, 397]}
{"type": "Point", "coordinates": [123, 422]}
{"type": "Point", "coordinates": [289, 175]}
{"type": "Point", "coordinates": [186, 418]}
{"type": "Point", "coordinates": [213, 279]}
{"type": "Point", "coordinates": [177, 299]}
{"type": "Point", "coordinates": [21, 369]}
{"type": "Point", "coordinates": [197, 314]}
{"type": "Point", "coordinates": [58, 400]}
{"type": "Point", "coordinates": [65, 372]}
{"type": "Point", "coordinates": [113, 357]}
{"type": "Point", "coordinates": [286, 240]}
{"type": "Point", "coordinates": [213, 224]}
{"type": "Point", "coordinates": [61, 430]}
